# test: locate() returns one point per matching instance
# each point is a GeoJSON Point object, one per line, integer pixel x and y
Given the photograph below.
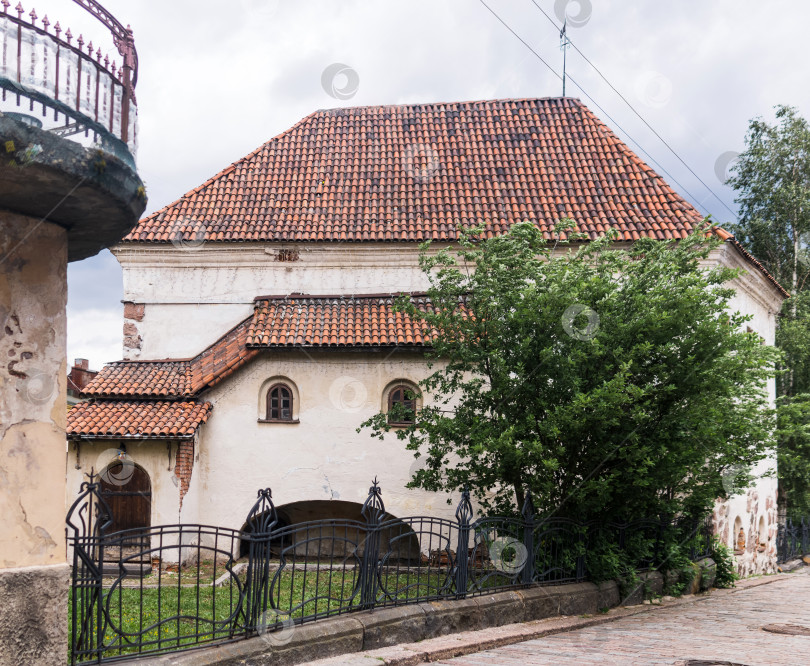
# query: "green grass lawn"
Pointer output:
{"type": "Point", "coordinates": [187, 608]}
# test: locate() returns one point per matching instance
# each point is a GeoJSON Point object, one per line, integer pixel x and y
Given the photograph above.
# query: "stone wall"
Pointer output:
{"type": "Point", "coordinates": [33, 379]}
{"type": "Point", "coordinates": [322, 456]}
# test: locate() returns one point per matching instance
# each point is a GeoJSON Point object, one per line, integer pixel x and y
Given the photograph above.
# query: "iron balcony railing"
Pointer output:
{"type": "Point", "coordinates": [56, 81]}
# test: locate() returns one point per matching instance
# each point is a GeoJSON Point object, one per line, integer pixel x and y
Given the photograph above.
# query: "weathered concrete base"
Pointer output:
{"type": "Point", "coordinates": [33, 619]}
{"type": "Point", "coordinates": [387, 627]}
{"type": "Point", "coordinates": [94, 195]}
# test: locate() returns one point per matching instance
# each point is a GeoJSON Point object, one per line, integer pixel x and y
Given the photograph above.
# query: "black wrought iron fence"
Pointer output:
{"type": "Point", "coordinates": [174, 587]}
{"type": "Point", "coordinates": [793, 539]}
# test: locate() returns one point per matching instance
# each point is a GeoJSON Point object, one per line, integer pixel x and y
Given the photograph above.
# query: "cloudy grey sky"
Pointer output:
{"type": "Point", "coordinates": [218, 79]}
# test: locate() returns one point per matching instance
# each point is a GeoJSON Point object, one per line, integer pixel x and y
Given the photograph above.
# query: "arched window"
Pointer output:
{"type": "Point", "coordinates": [279, 403]}
{"type": "Point", "coordinates": [402, 404]}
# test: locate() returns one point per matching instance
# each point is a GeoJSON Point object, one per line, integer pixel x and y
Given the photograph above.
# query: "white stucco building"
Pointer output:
{"type": "Point", "coordinates": [258, 329]}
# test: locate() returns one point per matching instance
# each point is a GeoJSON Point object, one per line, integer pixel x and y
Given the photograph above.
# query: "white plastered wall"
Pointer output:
{"type": "Point", "coordinates": [322, 457]}
{"type": "Point", "coordinates": [756, 507]}
{"type": "Point", "coordinates": [151, 455]}
{"type": "Point", "coordinates": [193, 296]}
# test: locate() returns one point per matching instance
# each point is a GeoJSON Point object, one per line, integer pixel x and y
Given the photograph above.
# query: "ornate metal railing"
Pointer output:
{"type": "Point", "coordinates": [793, 539]}
{"type": "Point", "coordinates": [173, 587]}
{"type": "Point", "coordinates": [66, 86]}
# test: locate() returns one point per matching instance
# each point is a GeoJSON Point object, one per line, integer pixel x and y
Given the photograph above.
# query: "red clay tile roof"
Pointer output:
{"type": "Point", "coordinates": [154, 379]}
{"type": "Point", "coordinates": [750, 258]}
{"type": "Point", "coordinates": [333, 321]}
{"type": "Point", "coordinates": [277, 321]}
{"type": "Point", "coordinates": [415, 172]}
{"type": "Point", "coordinates": [151, 420]}
{"type": "Point", "coordinates": [222, 358]}
{"type": "Point", "coordinates": [174, 378]}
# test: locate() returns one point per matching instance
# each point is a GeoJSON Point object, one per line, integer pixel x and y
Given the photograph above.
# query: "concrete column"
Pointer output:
{"type": "Point", "coordinates": [34, 576]}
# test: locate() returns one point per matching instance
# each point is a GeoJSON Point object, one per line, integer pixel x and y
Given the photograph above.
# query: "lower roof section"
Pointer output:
{"type": "Point", "coordinates": [298, 320]}
{"type": "Point", "coordinates": [115, 419]}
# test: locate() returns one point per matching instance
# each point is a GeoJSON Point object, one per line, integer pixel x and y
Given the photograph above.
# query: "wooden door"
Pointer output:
{"type": "Point", "coordinates": [128, 492]}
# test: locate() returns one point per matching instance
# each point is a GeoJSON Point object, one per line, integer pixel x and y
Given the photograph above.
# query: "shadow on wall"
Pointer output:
{"type": "Point", "coordinates": [336, 530]}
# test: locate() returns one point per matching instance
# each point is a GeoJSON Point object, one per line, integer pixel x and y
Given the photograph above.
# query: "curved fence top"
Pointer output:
{"type": "Point", "coordinates": [54, 80]}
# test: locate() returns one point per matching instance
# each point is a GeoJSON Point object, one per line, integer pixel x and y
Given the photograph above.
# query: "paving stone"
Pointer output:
{"type": "Point", "coordinates": [725, 627]}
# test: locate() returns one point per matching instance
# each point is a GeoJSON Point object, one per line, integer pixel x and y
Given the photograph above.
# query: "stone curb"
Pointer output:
{"type": "Point", "coordinates": [413, 634]}
{"type": "Point", "coordinates": [469, 642]}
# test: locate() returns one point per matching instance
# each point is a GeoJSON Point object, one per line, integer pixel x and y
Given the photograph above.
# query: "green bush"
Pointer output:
{"type": "Point", "coordinates": [724, 559]}
{"type": "Point", "coordinates": [604, 561]}
{"type": "Point", "coordinates": [677, 562]}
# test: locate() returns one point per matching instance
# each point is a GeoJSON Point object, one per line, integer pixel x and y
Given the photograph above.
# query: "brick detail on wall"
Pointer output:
{"type": "Point", "coordinates": [183, 465]}
{"type": "Point", "coordinates": [134, 311]}
{"type": "Point", "coordinates": [132, 342]}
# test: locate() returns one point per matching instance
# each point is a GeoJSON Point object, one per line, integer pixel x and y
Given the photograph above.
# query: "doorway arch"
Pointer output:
{"type": "Point", "coordinates": [127, 489]}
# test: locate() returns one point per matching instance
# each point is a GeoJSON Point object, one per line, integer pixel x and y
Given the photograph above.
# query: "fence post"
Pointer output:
{"type": "Point", "coordinates": [373, 511]}
{"type": "Point", "coordinates": [780, 541]}
{"type": "Point", "coordinates": [527, 574]}
{"type": "Point", "coordinates": [261, 521]}
{"type": "Point", "coordinates": [693, 541]}
{"type": "Point", "coordinates": [463, 516]}
{"type": "Point", "coordinates": [92, 517]}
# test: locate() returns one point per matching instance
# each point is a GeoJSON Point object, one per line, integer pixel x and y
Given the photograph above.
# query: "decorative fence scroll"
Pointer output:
{"type": "Point", "coordinates": [172, 587]}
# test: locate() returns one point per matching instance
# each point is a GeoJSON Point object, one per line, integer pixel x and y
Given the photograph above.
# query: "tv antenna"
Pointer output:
{"type": "Point", "coordinates": [564, 44]}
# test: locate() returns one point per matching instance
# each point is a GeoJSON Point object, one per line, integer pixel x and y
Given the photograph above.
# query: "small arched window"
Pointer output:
{"type": "Point", "coordinates": [279, 403]}
{"type": "Point", "coordinates": [402, 404]}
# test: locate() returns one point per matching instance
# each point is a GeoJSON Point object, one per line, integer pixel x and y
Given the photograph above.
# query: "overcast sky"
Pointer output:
{"type": "Point", "coordinates": [217, 79]}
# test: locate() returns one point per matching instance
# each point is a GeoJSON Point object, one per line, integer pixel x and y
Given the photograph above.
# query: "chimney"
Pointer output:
{"type": "Point", "coordinates": [82, 364]}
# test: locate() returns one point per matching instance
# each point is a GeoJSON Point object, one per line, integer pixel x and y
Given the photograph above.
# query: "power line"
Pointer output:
{"type": "Point", "coordinates": [633, 109]}
{"type": "Point", "coordinates": [595, 103]}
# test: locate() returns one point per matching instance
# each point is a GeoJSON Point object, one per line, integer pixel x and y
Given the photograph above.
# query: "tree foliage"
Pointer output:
{"type": "Point", "coordinates": [611, 383]}
{"type": "Point", "coordinates": [772, 180]}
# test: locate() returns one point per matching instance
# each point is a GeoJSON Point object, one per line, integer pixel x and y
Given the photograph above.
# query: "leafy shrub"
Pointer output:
{"type": "Point", "coordinates": [679, 571]}
{"type": "Point", "coordinates": [724, 559]}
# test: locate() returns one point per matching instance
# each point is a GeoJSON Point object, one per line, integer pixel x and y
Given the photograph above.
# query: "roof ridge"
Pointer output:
{"type": "Point", "coordinates": [354, 297]}
{"type": "Point", "coordinates": [499, 100]}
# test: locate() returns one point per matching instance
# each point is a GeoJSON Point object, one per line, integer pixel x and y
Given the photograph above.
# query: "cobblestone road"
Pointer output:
{"type": "Point", "coordinates": [713, 631]}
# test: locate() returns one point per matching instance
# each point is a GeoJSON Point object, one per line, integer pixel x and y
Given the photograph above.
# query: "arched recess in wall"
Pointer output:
{"type": "Point", "coordinates": [405, 393]}
{"type": "Point", "coordinates": [738, 537]}
{"type": "Point", "coordinates": [333, 529]}
{"type": "Point", "coordinates": [762, 535]}
{"type": "Point", "coordinates": [283, 388]}
{"type": "Point", "coordinates": [127, 489]}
